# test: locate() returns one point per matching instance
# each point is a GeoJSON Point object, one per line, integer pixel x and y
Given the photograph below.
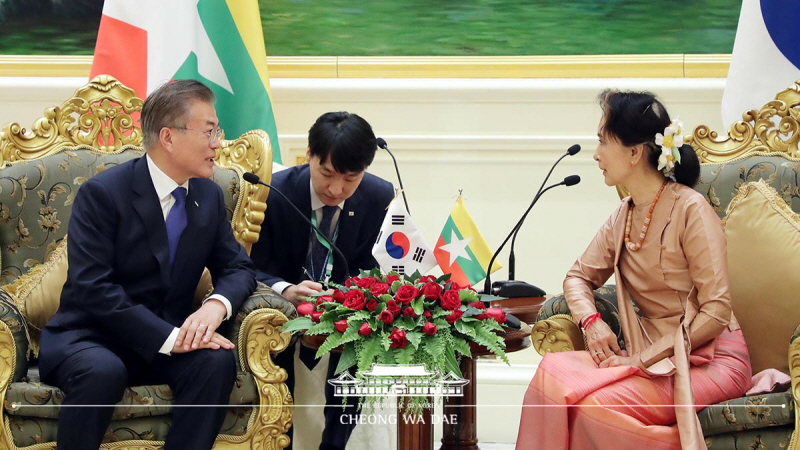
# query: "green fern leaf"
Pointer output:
{"type": "Point", "coordinates": [347, 360]}
{"type": "Point", "coordinates": [321, 328]}
{"type": "Point", "coordinates": [370, 349]}
{"type": "Point", "coordinates": [330, 343]}
{"type": "Point", "coordinates": [299, 323]}
{"type": "Point", "coordinates": [434, 346]}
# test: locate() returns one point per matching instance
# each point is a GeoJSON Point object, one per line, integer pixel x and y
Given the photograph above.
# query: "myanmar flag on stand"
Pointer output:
{"type": "Point", "coordinates": [221, 43]}
{"type": "Point", "coordinates": [461, 250]}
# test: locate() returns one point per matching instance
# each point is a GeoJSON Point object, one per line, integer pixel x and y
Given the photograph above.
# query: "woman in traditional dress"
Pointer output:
{"type": "Point", "coordinates": [683, 347]}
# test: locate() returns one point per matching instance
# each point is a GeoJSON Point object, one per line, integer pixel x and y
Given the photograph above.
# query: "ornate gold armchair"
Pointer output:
{"type": "Point", "coordinates": [40, 172]}
{"type": "Point", "coordinates": [763, 242]}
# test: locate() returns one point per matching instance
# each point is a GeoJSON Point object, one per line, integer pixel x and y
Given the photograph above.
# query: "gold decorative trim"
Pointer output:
{"type": "Point", "coordinates": [794, 371]}
{"type": "Point", "coordinates": [260, 338]}
{"type": "Point", "coordinates": [756, 132]}
{"type": "Point", "coordinates": [8, 356]}
{"type": "Point", "coordinates": [102, 114]}
{"type": "Point", "coordinates": [557, 333]}
{"type": "Point", "coordinates": [250, 152]}
{"type": "Point", "coordinates": [558, 66]}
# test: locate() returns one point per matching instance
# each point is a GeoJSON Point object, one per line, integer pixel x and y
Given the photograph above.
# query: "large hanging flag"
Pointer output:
{"type": "Point", "coordinates": [461, 250]}
{"type": "Point", "coordinates": [766, 56]}
{"type": "Point", "coordinates": [400, 246]}
{"type": "Point", "coordinates": [219, 42]}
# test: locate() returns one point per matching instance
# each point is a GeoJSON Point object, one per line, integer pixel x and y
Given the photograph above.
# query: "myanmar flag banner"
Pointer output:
{"type": "Point", "coordinates": [220, 43]}
{"type": "Point", "coordinates": [461, 250]}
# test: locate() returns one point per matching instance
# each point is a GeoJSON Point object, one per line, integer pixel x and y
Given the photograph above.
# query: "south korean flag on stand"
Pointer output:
{"type": "Point", "coordinates": [400, 246]}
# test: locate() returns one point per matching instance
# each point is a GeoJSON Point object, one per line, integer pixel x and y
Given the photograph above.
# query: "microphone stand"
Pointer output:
{"type": "Point", "coordinates": [511, 258]}
{"type": "Point", "coordinates": [255, 179]}
{"type": "Point", "coordinates": [488, 283]}
{"type": "Point", "coordinates": [382, 144]}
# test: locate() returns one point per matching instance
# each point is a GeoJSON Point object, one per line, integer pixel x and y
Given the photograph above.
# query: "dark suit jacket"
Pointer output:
{"type": "Point", "coordinates": [282, 248]}
{"type": "Point", "coordinates": [120, 291]}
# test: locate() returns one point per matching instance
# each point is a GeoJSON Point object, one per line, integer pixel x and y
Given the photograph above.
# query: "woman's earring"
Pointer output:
{"type": "Point", "coordinates": [632, 163]}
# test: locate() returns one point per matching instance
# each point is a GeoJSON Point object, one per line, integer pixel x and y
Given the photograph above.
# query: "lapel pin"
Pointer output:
{"type": "Point", "coordinates": [196, 204]}
{"type": "Point", "coordinates": [351, 213]}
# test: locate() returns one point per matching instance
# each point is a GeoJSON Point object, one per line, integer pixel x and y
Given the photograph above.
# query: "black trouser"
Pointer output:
{"type": "Point", "coordinates": [99, 376]}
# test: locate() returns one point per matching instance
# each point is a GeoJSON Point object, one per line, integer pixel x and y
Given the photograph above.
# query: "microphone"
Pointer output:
{"type": "Point", "coordinates": [520, 288]}
{"type": "Point", "coordinates": [512, 262]}
{"type": "Point", "coordinates": [255, 179]}
{"type": "Point", "coordinates": [382, 144]}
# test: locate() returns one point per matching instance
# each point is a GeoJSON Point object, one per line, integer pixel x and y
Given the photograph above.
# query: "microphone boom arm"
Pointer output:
{"type": "Point", "coordinates": [255, 179]}
{"type": "Point", "coordinates": [487, 286]}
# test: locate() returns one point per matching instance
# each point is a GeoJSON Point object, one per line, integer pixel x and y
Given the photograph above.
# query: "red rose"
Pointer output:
{"type": "Point", "coordinates": [409, 311]}
{"type": "Point", "coordinates": [351, 281]}
{"type": "Point", "coordinates": [324, 298]}
{"type": "Point", "coordinates": [379, 289]}
{"type": "Point", "coordinates": [386, 316]}
{"type": "Point", "coordinates": [450, 300]}
{"type": "Point", "coordinates": [371, 305]}
{"type": "Point", "coordinates": [454, 286]}
{"type": "Point", "coordinates": [406, 293]}
{"type": "Point", "coordinates": [493, 313]}
{"type": "Point", "coordinates": [341, 326]}
{"type": "Point", "coordinates": [392, 278]}
{"type": "Point", "coordinates": [429, 328]}
{"type": "Point", "coordinates": [305, 308]}
{"type": "Point", "coordinates": [366, 283]}
{"type": "Point", "coordinates": [427, 279]}
{"type": "Point", "coordinates": [354, 299]}
{"type": "Point", "coordinates": [365, 329]}
{"type": "Point", "coordinates": [393, 307]}
{"type": "Point", "coordinates": [453, 316]}
{"type": "Point", "coordinates": [431, 290]}
{"type": "Point", "coordinates": [338, 296]}
{"type": "Point", "coordinates": [427, 314]}
{"type": "Point", "coordinates": [479, 305]}
{"type": "Point", "coordinates": [315, 316]}
{"type": "Point", "coordinates": [398, 338]}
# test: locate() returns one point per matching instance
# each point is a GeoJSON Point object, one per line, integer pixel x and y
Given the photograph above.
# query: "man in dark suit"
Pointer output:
{"type": "Point", "coordinates": [348, 205]}
{"type": "Point", "coordinates": [139, 237]}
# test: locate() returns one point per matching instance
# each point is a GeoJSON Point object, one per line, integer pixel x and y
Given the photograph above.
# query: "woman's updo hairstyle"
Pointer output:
{"type": "Point", "coordinates": [635, 118]}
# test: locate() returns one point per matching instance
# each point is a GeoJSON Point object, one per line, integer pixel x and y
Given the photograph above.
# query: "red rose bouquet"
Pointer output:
{"type": "Point", "coordinates": [389, 319]}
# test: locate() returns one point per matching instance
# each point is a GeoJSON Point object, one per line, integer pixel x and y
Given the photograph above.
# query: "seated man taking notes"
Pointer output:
{"type": "Point", "coordinates": [334, 192]}
{"type": "Point", "coordinates": [139, 237]}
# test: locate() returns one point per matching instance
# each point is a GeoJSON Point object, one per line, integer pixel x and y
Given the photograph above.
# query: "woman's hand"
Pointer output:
{"type": "Point", "coordinates": [601, 342]}
{"type": "Point", "coordinates": [617, 360]}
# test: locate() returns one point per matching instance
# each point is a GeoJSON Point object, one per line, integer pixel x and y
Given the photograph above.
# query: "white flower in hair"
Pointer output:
{"type": "Point", "coordinates": [670, 143]}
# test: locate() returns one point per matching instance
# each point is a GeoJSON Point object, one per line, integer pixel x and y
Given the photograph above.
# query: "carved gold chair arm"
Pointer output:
{"type": "Point", "coordinates": [261, 337]}
{"type": "Point", "coordinates": [14, 341]}
{"type": "Point", "coordinates": [557, 333]}
{"type": "Point", "coordinates": [794, 371]}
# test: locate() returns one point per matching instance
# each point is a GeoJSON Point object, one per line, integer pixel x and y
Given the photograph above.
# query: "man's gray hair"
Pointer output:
{"type": "Point", "coordinates": [167, 107]}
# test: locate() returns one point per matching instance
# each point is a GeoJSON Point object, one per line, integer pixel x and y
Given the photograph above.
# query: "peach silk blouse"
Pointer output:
{"type": "Point", "coordinates": [673, 294]}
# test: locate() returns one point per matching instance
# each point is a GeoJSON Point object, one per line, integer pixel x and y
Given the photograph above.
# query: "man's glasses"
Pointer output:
{"type": "Point", "coordinates": [214, 134]}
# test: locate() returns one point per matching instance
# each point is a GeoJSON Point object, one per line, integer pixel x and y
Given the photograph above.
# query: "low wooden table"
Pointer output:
{"type": "Point", "coordinates": [462, 434]}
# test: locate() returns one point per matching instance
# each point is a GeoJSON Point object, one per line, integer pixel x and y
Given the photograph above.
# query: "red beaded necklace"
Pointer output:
{"type": "Point", "coordinates": [636, 246]}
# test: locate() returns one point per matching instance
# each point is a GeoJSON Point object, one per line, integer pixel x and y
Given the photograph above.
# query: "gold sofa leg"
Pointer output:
{"type": "Point", "coordinates": [8, 357]}
{"type": "Point", "coordinates": [794, 371]}
{"type": "Point", "coordinates": [259, 338]}
{"type": "Point", "coordinates": [558, 333]}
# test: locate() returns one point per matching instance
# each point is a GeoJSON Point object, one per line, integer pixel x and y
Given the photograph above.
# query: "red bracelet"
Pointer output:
{"type": "Point", "coordinates": [587, 321]}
